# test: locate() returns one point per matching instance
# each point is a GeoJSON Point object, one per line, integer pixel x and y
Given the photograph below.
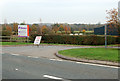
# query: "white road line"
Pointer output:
{"type": "Point", "coordinates": [35, 57]}
{"type": "Point", "coordinates": [16, 69]}
{"type": "Point", "coordinates": [32, 57]}
{"type": "Point", "coordinates": [59, 60]}
{"type": "Point", "coordinates": [97, 65]}
{"type": "Point", "coordinates": [56, 59]}
{"type": "Point", "coordinates": [52, 59]}
{"type": "Point", "coordinates": [52, 77]}
{"type": "Point", "coordinates": [15, 54]}
{"type": "Point", "coordinates": [29, 56]}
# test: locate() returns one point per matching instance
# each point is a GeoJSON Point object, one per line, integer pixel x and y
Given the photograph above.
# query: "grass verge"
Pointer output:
{"type": "Point", "coordinates": [104, 54]}
{"type": "Point", "coordinates": [14, 43]}
{"type": "Point", "coordinates": [23, 43]}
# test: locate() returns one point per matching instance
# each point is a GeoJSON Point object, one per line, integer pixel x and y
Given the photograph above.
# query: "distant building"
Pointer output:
{"type": "Point", "coordinates": [110, 31]}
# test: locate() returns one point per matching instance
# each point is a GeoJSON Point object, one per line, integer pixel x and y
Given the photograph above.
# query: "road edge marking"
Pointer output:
{"type": "Point", "coordinates": [52, 77]}
{"type": "Point", "coordinates": [55, 59]}
{"type": "Point", "coordinates": [52, 59]}
{"type": "Point", "coordinates": [35, 57]}
{"type": "Point", "coordinates": [29, 56]}
{"type": "Point", "coordinates": [96, 65]}
{"type": "Point", "coordinates": [15, 54]}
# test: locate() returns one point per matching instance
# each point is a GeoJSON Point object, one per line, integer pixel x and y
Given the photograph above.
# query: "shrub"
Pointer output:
{"type": "Point", "coordinates": [77, 40]}
{"type": "Point", "coordinates": [6, 33]}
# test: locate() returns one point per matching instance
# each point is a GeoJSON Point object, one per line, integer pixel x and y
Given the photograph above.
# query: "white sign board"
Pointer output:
{"type": "Point", "coordinates": [37, 40]}
{"type": "Point", "coordinates": [23, 30]}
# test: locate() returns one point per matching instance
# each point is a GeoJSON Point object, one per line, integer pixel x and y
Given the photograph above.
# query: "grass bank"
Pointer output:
{"type": "Point", "coordinates": [108, 54]}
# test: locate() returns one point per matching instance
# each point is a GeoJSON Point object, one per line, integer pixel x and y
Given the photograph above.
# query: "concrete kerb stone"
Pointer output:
{"type": "Point", "coordinates": [88, 61]}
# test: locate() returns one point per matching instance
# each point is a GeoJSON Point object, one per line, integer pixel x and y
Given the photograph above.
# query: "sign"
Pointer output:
{"type": "Point", "coordinates": [23, 30]}
{"type": "Point", "coordinates": [37, 39]}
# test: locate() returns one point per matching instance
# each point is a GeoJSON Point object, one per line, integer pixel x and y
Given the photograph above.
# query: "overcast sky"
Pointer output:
{"type": "Point", "coordinates": [56, 11]}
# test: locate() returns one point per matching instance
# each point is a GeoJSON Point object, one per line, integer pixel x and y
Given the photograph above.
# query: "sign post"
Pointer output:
{"type": "Point", "coordinates": [106, 36]}
{"type": "Point", "coordinates": [37, 40]}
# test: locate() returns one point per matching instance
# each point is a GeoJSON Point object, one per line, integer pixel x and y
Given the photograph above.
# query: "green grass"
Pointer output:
{"type": "Point", "coordinates": [14, 43]}
{"type": "Point", "coordinates": [105, 54]}
{"type": "Point", "coordinates": [23, 43]}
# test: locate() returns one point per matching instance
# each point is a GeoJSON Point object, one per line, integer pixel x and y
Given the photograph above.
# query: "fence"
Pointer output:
{"type": "Point", "coordinates": [14, 39]}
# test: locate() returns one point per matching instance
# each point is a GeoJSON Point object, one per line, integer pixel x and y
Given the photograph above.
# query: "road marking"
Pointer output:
{"type": "Point", "coordinates": [52, 77]}
{"type": "Point", "coordinates": [56, 59]}
{"type": "Point", "coordinates": [59, 60]}
{"type": "Point", "coordinates": [52, 59]}
{"type": "Point", "coordinates": [97, 65]}
{"type": "Point", "coordinates": [15, 54]}
{"type": "Point", "coordinates": [32, 57]}
{"type": "Point", "coordinates": [29, 56]}
{"type": "Point", "coordinates": [35, 57]}
{"type": "Point", "coordinates": [16, 69]}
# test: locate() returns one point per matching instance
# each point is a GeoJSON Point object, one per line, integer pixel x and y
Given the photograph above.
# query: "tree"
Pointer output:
{"type": "Point", "coordinates": [39, 30]}
{"type": "Point", "coordinates": [112, 16]}
{"type": "Point", "coordinates": [15, 28]}
{"type": "Point", "coordinates": [3, 27]}
{"type": "Point", "coordinates": [33, 28]}
{"type": "Point", "coordinates": [44, 29]}
{"type": "Point", "coordinates": [113, 20]}
{"type": "Point", "coordinates": [55, 27]}
{"type": "Point", "coordinates": [66, 29]}
{"type": "Point", "coordinates": [72, 30]}
{"type": "Point", "coordinates": [22, 24]}
{"type": "Point", "coordinates": [61, 28]}
{"type": "Point", "coordinates": [8, 28]}
{"type": "Point", "coordinates": [7, 31]}
{"type": "Point", "coordinates": [69, 29]}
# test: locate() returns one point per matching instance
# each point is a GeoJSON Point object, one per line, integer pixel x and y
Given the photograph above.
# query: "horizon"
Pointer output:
{"type": "Point", "coordinates": [55, 23]}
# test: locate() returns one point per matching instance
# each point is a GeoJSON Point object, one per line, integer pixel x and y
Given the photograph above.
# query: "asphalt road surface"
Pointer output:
{"type": "Point", "coordinates": [41, 51]}
{"type": "Point", "coordinates": [17, 66]}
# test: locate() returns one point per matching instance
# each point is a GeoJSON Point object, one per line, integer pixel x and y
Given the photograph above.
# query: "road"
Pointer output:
{"type": "Point", "coordinates": [41, 51]}
{"type": "Point", "coordinates": [17, 66]}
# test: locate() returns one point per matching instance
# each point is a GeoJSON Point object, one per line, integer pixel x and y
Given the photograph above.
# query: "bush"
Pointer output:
{"type": "Point", "coordinates": [6, 33]}
{"type": "Point", "coordinates": [118, 39]}
{"type": "Point", "coordinates": [77, 40]}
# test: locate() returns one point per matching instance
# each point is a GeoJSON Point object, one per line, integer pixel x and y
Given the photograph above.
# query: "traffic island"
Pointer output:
{"type": "Point", "coordinates": [105, 59]}
{"type": "Point", "coordinates": [88, 61]}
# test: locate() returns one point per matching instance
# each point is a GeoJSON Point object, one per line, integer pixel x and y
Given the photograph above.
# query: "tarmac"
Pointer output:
{"type": "Point", "coordinates": [51, 52]}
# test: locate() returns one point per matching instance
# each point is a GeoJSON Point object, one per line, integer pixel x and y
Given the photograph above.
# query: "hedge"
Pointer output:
{"type": "Point", "coordinates": [77, 40]}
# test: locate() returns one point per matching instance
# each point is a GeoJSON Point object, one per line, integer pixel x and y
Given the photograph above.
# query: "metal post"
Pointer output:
{"type": "Point", "coordinates": [105, 36]}
{"type": "Point", "coordinates": [27, 39]}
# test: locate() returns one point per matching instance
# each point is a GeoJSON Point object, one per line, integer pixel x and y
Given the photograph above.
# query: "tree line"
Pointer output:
{"type": "Point", "coordinates": [64, 28]}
